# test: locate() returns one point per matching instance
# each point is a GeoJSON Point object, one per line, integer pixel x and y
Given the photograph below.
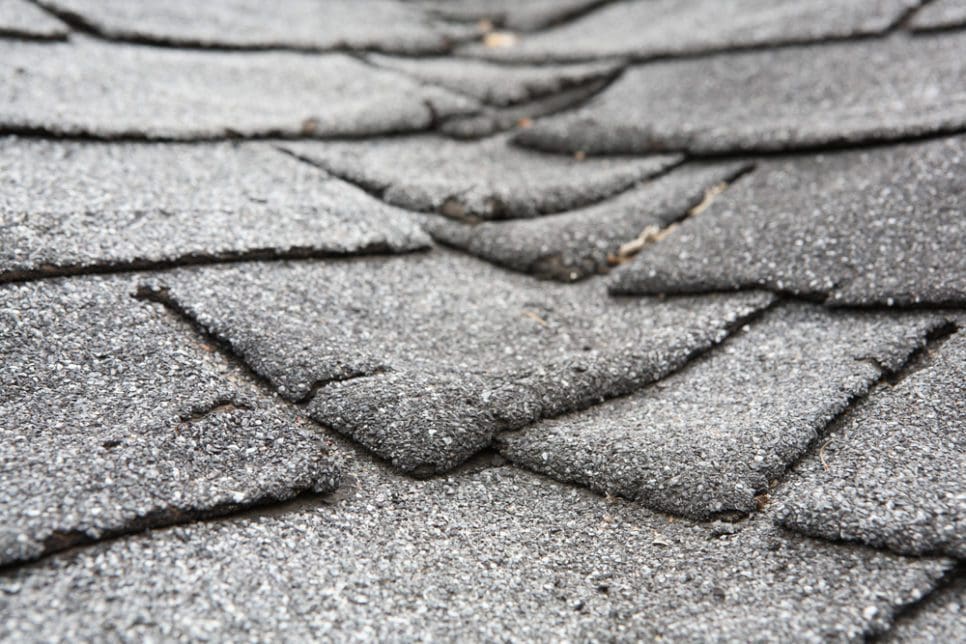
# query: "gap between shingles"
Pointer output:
{"type": "Point", "coordinates": [910, 610]}
{"type": "Point", "coordinates": [98, 267]}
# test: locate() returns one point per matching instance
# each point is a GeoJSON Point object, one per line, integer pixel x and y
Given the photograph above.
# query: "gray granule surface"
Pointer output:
{"type": "Point", "coordinates": [22, 19]}
{"type": "Point", "coordinates": [939, 14]}
{"type": "Point", "coordinates": [574, 245]}
{"type": "Point", "coordinates": [452, 348]}
{"type": "Point", "coordinates": [892, 474]}
{"type": "Point", "coordinates": [382, 25]}
{"type": "Point", "coordinates": [499, 555]}
{"type": "Point", "coordinates": [878, 226]}
{"type": "Point", "coordinates": [524, 15]}
{"type": "Point", "coordinates": [476, 180]}
{"type": "Point", "coordinates": [845, 93]}
{"type": "Point", "coordinates": [114, 418]}
{"type": "Point", "coordinates": [498, 85]}
{"type": "Point", "coordinates": [643, 29]}
{"type": "Point", "coordinates": [75, 206]}
{"type": "Point", "coordinates": [62, 88]}
{"type": "Point", "coordinates": [940, 618]}
{"type": "Point", "coordinates": [712, 437]}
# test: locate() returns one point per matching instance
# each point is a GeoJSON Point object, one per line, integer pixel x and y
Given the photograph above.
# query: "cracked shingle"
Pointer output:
{"type": "Point", "coordinates": [382, 25]}
{"type": "Point", "coordinates": [452, 349]}
{"type": "Point", "coordinates": [22, 19]}
{"type": "Point", "coordinates": [80, 206]}
{"type": "Point", "coordinates": [488, 179]}
{"type": "Point", "coordinates": [644, 29]}
{"type": "Point", "coordinates": [576, 244]}
{"type": "Point", "coordinates": [892, 475]}
{"type": "Point", "coordinates": [712, 437]}
{"type": "Point", "coordinates": [89, 88]}
{"type": "Point", "coordinates": [796, 97]}
{"type": "Point", "coordinates": [112, 420]}
{"type": "Point", "coordinates": [877, 226]}
{"type": "Point", "coordinates": [493, 556]}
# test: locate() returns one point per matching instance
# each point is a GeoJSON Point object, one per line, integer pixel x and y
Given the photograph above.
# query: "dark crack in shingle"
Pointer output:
{"type": "Point", "coordinates": [94, 89]}
{"type": "Point", "coordinates": [453, 349]}
{"type": "Point", "coordinates": [381, 25]}
{"type": "Point", "coordinates": [22, 19]}
{"type": "Point", "coordinates": [878, 226]}
{"type": "Point", "coordinates": [73, 207]}
{"type": "Point", "coordinates": [940, 618]}
{"type": "Point", "coordinates": [644, 29]}
{"type": "Point", "coordinates": [576, 244]}
{"type": "Point", "coordinates": [892, 475]}
{"type": "Point", "coordinates": [473, 180]}
{"type": "Point", "coordinates": [113, 420]}
{"type": "Point", "coordinates": [713, 437]}
{"type": "Point", "coordinates": [498, 555]}
{"type": "Point", "coordinates": [797, 97]}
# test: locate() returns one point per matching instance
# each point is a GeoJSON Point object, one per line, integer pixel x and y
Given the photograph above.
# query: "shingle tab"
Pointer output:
{"type": "Point", "coordinates": [70, 207]}
{"type": "Point", "coordinates": [643, 29]}
{"type": "Point", "coordinates": [576, 244]}
{"type": "Point", "coordinates": [476, 180]}
{"type": "Point", "coordinates": [871, 227]}
{"type": "Point", "coordinates": [382, 25]}
{"type": "Point", "coordinates": [892, 475]}
{"type": "Point", "coordinates": [797, 97]}
{"type": "Point", "coordinates": [95, 89]}
{"type": "Point", "coordinates": [114, 419]}
{"type": "Point", "coordinates": [713, 437]}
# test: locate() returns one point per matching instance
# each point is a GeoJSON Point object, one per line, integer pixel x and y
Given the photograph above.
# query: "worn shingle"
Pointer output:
{"type": "Point", "coordinates": [579, 243]}
{"type": "Point", "coordinates": [487, 179]}
{"type": "Point", "coordinates": [878, 226]}
{"type": "Point", "coordinates": [114, 419]}
{"type": "Point", "coordinates": [797, 97]}
{"type": "Point", "coordinates": [69, 207]}
{"type": "Point", "coordinates": [452, 349]}
{"type": "Point", "coordinates": [492, 556]}
{"type": "Point", "coordinates": [90, 88]}
{"type": "Point", "coordinates": [643, 29]}
{"type": "Point", "coordinates": [382, 25]}
{"type": "Point", "coordinates": [892, 475]}
{"type": "Point", "coordinates": [713, 437]}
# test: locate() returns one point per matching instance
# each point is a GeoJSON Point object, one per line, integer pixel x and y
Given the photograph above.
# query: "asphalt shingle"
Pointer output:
{"type": "Point", "coordinates": [113, 419]}
{"type": "Point", "coordinates": [643, 29]}
{"type": "Point", "coordinates": [498, 85]}
{"type": "Point", "coordinates": [797, 97]}
{"type": "Point", "coordinates": [23, 19]}
{"type": "Point", "coordinates": [493, 556]}
{"type": "Point", "coordinates": [714, 436]}
{"type": "Point", "coordinates": [579, 243]}
{"type": "Point", "coordinates": [90, 88]}
{"type": "Point", "coordinates": [939, 14]}
{"type": "Point", "coordinates": [382, 25]}
{"type": "Point", "coordinates": [940, 618]}
{"type": "Point", "coordinates": [892, 474]}
{"type": "Point", "coordinates": [877, 226]}
{"type": "Point", "coordinates": [452, 349]}
{"type": "Point", "coordinates": [476, 180]}
{"type": "Point", "coordinates": [525, 15]}
{"type": "Point", "coordinates": [73, 207]}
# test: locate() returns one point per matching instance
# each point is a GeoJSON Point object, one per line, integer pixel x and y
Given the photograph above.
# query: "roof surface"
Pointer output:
{"type": "Point", "coordinates": [462, 320]}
